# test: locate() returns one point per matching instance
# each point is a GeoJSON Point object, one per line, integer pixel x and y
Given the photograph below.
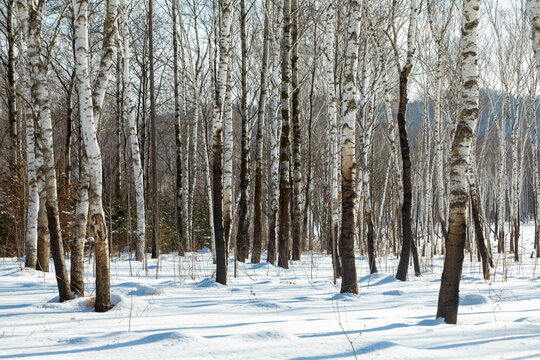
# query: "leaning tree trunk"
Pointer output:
{"type": "Point", "coordinates": [285, 153]}
{"type": "Point", "coordinates": [217, 141]}
{"type": "Point", "coordinates": [473, 193]}
{"type": "Point", "coordinates": [32, 17]}
{"type": "Point", "coordinates": [89, 113]}
{"type": "Point", "coordinates": [406, 220]}
{"type": "Point", "coordinates": [242, 238]}
{"type": "Point", "coordinates": [258, 210]}
{"type": "Point", "coordinates": [349, 283]}
{"type": "Point", "coordinates": [457, 231]}
{"type": "Point", "coordinates": [129, 101]}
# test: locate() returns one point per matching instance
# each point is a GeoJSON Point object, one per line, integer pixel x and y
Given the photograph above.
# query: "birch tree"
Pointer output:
{"type": "Point", "coordinates": [335, 153]}
{"type": "Point", "coordinates": [90, 108]}
{"type": "Point", "coordinates": [242, 238]}
{"type": "Point", "coordinates": [534, 15]}
{"type": "Point", "coordinates": [217, 141]}
{"type": "Point", "coordinates": [32, 18]}
{"type": "Point", "coordinates": [296, 229]}
{"type": "Point", "coordinates": [258, 196]}
{"type": "Point", "coordinates": [349, 283]}
{"type": "Point", "coordinates": [285, 153]}
{"type": "Point", "coordinates": [404, 72]}
{"type": "Point", "coordinates": [453, 263]}
{"type": "Point", "coordinates": [129, 113]}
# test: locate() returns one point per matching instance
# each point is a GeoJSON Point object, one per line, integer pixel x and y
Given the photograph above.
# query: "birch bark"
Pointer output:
{"type": "Point", "coordinates": [87, 109]}
{"type": "Point", "coordinates": [129, 113]}
{"type": "Point", "coordinates": [258, 197]}
{"type": "Point", "coordinates": [296, 228]}
{"type": "Point", "coordinates": [242, 238]}
{"type": "Point", "coordinates": [349, 283]}
{"type": "Point", "coordinates": [534, 15]}
{"type": "Point", "coordinates": [329, 59]}
{"type": "Point", "coordinates": [453, 263]}
{"type": "Point", "coordinates": [217, 141]}
{"type": "Point", "coordinates": [285, 153]}
{"type": "Point", "coordinates": [32, 16]}
{"type": "Point", "coordinates": [406, 219]}
{"type": "Point", "coordinates": [31, 239]}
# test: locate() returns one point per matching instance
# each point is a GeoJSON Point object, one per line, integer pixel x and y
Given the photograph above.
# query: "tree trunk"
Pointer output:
{"type": "Point", "coordinates": [296, 229]}
{"type": "Point", "coordinates": [32, 17]}
{"type": "Point", "coordinates": [501, 182]}
{"type": "Point", "coordinates": [89, 107]}
{"type": "Point", "coordinates": [217, 142]}
{"type": "Point", "coordinates": [453, 263]}
{"type": "Point", "coordinates": [81, 213]}
{"type": "Point", "coordinates": [11, 87]}
{"type": "Point", "coordinates": [258, 210]}
{"type": "Point", "coordinates": [406, 221]}
{"type": "Point", "coordinates": [179, 190]}
{"type": "Point", "coordinates": [285, 154]}
{"type": "Point", "coordinates": [534, 14]}
{"type": "Point", "coordinates": [131, 123]}
{"type": "Point", "coordinates": [242, 239]}
{"type": "Point", "coordinates": [484, 254]}
{"type": "Point", "coordinates": [335, 153]}
{"type": "Point", "coordinates": [228, 147]}
{"type": "Point", "coordinates": [349, 283]}
{"type": "Point", "coordinates": [153, 129]}
{"type": "Point", "coordinates": [31, 242]}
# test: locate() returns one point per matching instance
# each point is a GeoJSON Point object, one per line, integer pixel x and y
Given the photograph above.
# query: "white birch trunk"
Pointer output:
{"type": "Point", "coordinates": [348, 158]}
{"type": "Point", "coordinates": [217, 141]}
{"type": "Point", "coordinates": [228, 159]}
{"type": "Point", "coordinates": [31, 236]}
{"type": "Point", "coordinates": [534, 15]}
{"type": "Point", "coordinates": [453, 264]}
{"type": "Point", "coordinates": [501, 181]}
{"type": "Point", "coordinates": [96, 222]}
{"type": "Point", "coordinates": [335, 158]}
{"type": "Point", "coordinates": [515, 190]}
{"type": "Point", "coordinates": [33, 192]}
{"type": "Point", "coordinates": [140, 233]}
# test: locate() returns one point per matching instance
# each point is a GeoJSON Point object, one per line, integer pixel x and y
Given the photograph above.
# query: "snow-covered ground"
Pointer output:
{"type": "Point", "coordinates": [271, 313]}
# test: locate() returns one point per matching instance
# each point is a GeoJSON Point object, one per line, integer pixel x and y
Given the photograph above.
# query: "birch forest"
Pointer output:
{"type": "Point", "coordinates": [393, 138]}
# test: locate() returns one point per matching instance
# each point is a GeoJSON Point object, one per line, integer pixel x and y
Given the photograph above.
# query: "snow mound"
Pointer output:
{"type": "Point", "coordinates": [208, 283]}
{"type": "Point", "coordinates": [268, 335]}
{"type": "Point", "coordinates": [265, 305]}
{"type": "Point", "coordinates": [76, 341]}
{"type": "Point", "coordinates": [146, 290]}
{"type": "Point", "coordinates": [474, 299]}
{"type": "Point", "coordinates": [431, 322]}
{"type": "Point", "coordinates": [78, 304]}
{"type": "Point", "coordinates": [377, 279]}
{"type": "Point", "coordinates": [170, 338]}
{"type": "Point", "coordinates": [394, 293]}
{"type": "Point", "coordinates": [344, 297]}
{"type": "Point", "coordinates": [124, 303]}
{"type": "Point", "coordinates": [532, 320]}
